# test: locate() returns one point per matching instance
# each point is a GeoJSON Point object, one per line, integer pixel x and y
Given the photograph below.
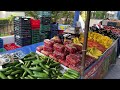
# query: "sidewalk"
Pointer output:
{"type": "Point", "coordinates": [114, 72]}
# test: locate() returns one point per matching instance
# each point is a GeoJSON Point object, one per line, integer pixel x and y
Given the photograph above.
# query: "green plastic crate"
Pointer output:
{"type": "Point", "coordinates": [44, 28]}
{"type": "Point", "coordinates": [2, 50]}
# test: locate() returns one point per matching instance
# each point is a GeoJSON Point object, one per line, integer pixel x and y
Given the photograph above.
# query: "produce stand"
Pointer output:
{"type": "Point", "coordinates": [96, 70]}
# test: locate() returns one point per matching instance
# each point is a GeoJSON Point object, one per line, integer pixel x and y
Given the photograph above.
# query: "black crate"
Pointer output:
{"type": "Point", "coordinates": [45, 20]}
{"type": "Point", "coordinates": [22, 41]}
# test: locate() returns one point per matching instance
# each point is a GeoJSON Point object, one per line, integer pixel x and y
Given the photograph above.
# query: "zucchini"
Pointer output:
{"type": "Point", "coordinates": [27, 69]}
{"type": "Point", "coordinates": [16, 72]}
{"type": "Point", "coordinates": [30, 77]}
{"type": "Point", "coordinates": [2, 76]}
{"type": "Point", "coordinates": [10, 77]}
{"type": "Point", "coordinates": [36, 68]}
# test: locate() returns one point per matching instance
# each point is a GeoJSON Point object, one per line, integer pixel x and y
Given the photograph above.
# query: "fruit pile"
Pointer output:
{"type": "Point", "coordinates": [97, 43]}
{"type": "Point", "coordinates": [68, 54]}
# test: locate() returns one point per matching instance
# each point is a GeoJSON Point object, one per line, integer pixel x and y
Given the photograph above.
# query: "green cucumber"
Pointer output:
{"type": "Point", "coordinates": [32, 53]}
{"type": "Point", "coordinates": [22, 78]}
{"type": "Point", "coordinates": [30, 77]}
{"type": "Point", "coordinates": [37, 62]}
{"type": "Point", "coordinates": [5, 69]}
{"type": "Point", "coordinates": [40, 74]}
{"type": "Point", "coordinates": [27, 69]}
{"type": "Point", "coordinates": [68, 76]}
{"type": "Point", "coordinates": [73, 72]}
{"type": "Point", "coordinates": [2, 76]}
{"type": "Point", "coordinates": [43, 66]}
{"type": "Point", "coordinates": [28, 64]}
{"type": "Point", "coordinates": [27, 78]}
{"type": "Point", "coordinates": [10, 77]}
{"type": "Point", "coordinates": [16, 72]}
{"type": "Point", "coordinates": [8, 72]}
{"type": "Point", "coordinates": [18, 65]}
{"type": "Point", "coordinates": [55, 64]}
{"type": "Point", "coordinates": [36, 68]}
{"type": "Point", "coordinates": [24, 74]}
{"type": "Point", "coordinates": [46, 72]}
{"type": "Point", "coordinates": [30, 58]}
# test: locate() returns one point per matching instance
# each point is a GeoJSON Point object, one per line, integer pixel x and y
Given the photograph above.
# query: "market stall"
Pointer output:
{"type": "Point", "coordinates": [85, 57]}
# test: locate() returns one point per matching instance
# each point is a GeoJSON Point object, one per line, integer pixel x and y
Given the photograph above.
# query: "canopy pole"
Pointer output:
{"type": "Point", "coordinates": [85, 43]}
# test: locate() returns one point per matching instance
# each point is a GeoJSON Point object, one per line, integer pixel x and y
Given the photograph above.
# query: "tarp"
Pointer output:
{"type": "Point", "coordinates": [26, 49]}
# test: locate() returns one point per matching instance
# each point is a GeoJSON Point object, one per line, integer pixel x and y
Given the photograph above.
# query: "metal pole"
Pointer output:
{"type": "Point", "coordinates": [85, 44]}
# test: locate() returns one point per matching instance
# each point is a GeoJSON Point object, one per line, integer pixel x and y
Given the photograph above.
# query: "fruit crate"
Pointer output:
{"type": "Point", "coordinates": [11, 46]}
{"type": "Point", "coordinates": [1, 43]}
{"type": "Point", "coordinates": [45, 20]}
{"type": "Point", "coordinates": [44, 13]}
{"type": "Point", "coordinates": [44, 28]}
{"type": "Point", "coordinates": [23, 41]}
{"type": "Point", "coordinates": [2, 50]}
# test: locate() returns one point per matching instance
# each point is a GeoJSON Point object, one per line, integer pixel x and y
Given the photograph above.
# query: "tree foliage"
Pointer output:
{"type": "Point", "coordinates": [56, 15]}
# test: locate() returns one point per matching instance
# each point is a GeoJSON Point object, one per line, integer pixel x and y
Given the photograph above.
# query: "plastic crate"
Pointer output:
{"type": "Point", "coordinates": [44, 13]}
{"type": "Point", "coordinates": [23, 41]}
{"type": "Point", "coordinates": [1, 43]}
{"type": "Point", "coordinates": [45, 20]}
{"type": "Point", "coordinates": [11, 46]}
{"type": "Point", "coordinates": [35, 24]}
{"type": "Point", "coordinates": [2, 50]}
{"type": "Point", "coordinates": [53, 26]}
{"type": "Point", "coordinates": [44, 28]}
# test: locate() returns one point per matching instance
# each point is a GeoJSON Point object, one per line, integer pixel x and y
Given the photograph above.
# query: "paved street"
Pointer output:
{"type": "Point", "coordinates": [114, 72]}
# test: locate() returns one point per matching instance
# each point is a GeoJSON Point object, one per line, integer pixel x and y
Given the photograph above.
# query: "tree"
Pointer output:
{"type": "Point", "coordinates": [32, 14]}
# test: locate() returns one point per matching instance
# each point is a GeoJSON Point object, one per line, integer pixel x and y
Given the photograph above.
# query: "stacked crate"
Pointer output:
{"type": "Point", "coordinates": [22, 31]}
{"type": "Point", "coordinates": [35, 26]}
{"type": "Point", "coordinates": [1, 43]}
{"type": "Point", "coordinates": [45, 19]}
{"type": "Point", "coordinates": [54, 29]}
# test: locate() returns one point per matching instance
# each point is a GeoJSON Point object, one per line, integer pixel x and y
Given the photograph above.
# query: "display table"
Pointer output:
{"type": "Point", "coordinates": [26, 49]}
